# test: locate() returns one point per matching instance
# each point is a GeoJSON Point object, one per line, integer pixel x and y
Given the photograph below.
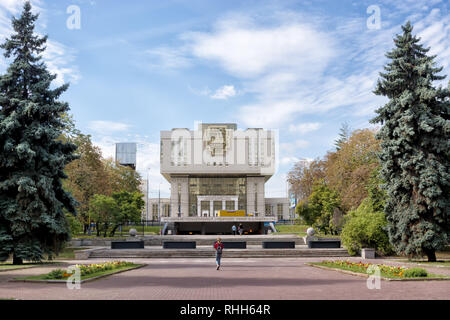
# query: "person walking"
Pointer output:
{"type": "Point", "coordinates": [233, 228]}
{"type": "Point", "coordinates": [241, 229]}
{"type": "Point", "coordinates": [219, 249]}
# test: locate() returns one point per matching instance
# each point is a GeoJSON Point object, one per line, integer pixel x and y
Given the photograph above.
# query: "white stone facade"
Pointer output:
{"type": "Point", "coordinates": [218, 166]}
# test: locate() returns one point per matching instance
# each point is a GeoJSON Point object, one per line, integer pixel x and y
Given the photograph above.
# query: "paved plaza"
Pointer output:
{"type": "Point", "coordinates": [246, 279]}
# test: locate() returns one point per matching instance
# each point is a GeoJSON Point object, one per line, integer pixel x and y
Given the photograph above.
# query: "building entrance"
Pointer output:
{"type": "Point", "coordinates": [209, 206]}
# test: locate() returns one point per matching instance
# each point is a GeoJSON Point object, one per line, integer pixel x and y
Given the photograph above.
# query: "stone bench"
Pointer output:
{"type": "Point", "coordinates": [234, 245]}
{"type": "Point", "coordinates": [179, 244]}
{"type": "Point", "coordinates": [278, 244]}
{"type": "Point", "coordinates": [324, 244]}
{"type": "Point", "coordinates": [127, 244]}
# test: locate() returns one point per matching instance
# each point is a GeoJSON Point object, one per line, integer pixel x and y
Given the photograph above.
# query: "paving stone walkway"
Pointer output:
{"type": "Point", "coordinates": [198, 279]}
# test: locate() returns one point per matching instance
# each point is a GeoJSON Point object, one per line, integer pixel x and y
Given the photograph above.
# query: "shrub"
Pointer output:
{"type": "Point", "coordinates": [365, 228]}
{"type": "Point", "coordinates": [415, 273]}
{"type": "Point", "coordinates": [75, 225]}
{"type": "Point", "coordinates": [55, 274]}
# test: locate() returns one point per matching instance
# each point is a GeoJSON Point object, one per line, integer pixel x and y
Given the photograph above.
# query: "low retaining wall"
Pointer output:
{"type": "Point", "coordinates": [156, 240]}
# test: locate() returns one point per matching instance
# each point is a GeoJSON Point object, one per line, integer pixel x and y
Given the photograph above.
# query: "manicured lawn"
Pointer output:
{"type": "Point", "coordinates": [297, 229]}
{"type": "Point", "coordinates": [390, 272]}
{"type": "Point", "coordinates": [148, 230]}
{"type": "Point", "coordinates": [45, 277]}
{"type": "Point", "coordinates": [440, 263]}
{"type": "Point", "coordinates": [68, 253]}
{"type": "Point", "coordinates": [9, 266]}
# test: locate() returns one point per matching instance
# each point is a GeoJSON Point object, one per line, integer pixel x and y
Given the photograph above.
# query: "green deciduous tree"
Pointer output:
{"type": "Point", "coordinates": [130, 205]}
{"type": "Point", "coordinates": [415, 148]}
{"type": "Point", "coordinates": [365, 227]}
{"type": "Point", "coordinates": [321, 207]}
{"type": "Point", "coordinates": [86, 176]}
{"type": "Point", "coordinates": [104, 211]}
{"type": "Point", "coordinates": [32, 158]}
{"type": "Point", "coordinates": [348, 170]}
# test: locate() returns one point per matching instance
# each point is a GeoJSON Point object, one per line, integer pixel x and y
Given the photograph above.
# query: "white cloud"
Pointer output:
{"type": "Point", "coordinates": [105, 127]}
{"type": "Point", "coordinates": [268, 114]}
{"type": "Point", "coordinates": [246, 49]}
{"type": "Point", "coordinates": [166, 57]}
{"type": "Point", "coordinates": [293, 145]}
{"type": "Point", "coordinates": [434, 31]}
{"type": "Point", "coordinates": [224, 92]}
{"type": "Point", "coordinates": [304, 127]}
{"type": "Point", "coordinates": [15, 6]}
{"type": "Point", "coordinates": [288, 160]}
{"type": "Point", "coordinates": [58, 57]}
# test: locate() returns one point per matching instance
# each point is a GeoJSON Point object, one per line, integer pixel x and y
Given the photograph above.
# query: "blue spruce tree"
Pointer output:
{"type": "Point", "coordinates": [32, 158]}
{"type": "Point", "coordinates": [415, 153]}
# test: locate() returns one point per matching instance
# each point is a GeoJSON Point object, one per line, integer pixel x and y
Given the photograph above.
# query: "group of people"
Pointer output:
{"type": "Point", "coordinates": [239, 229]}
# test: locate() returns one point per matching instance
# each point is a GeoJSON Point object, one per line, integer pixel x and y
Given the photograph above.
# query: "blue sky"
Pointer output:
{"type": "Point", "coordinates": [301, 67]}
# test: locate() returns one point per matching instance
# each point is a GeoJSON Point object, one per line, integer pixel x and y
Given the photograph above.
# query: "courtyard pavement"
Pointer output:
{"type": "Point", "coordinates": [239, 279]}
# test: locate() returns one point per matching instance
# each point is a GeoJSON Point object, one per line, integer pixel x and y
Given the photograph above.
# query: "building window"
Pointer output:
{"type": "Point", "coordinates": [256, 198]}
{"type": "Point", "coordinates": [280, 211]}
{"type": "Point", "coordinates": [166, 210]}
{"type": "Point", "coordinates": [229, 205]}
{"type": "Point", "coordinates": [155, 211]}
{"type": "Point", "coordinates": [269, 210]}
{"type": "Point", "coordinates": [179, 199]}
{"type": "Point", "coordinates": [213, 186]}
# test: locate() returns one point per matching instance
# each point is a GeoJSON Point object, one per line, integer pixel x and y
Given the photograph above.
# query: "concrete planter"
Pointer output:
{"type": "Point", "coordinates": [368, 253]}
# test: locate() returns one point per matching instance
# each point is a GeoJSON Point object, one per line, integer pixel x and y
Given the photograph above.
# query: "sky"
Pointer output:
{"type": "Point", "coordinates": [302, 68]}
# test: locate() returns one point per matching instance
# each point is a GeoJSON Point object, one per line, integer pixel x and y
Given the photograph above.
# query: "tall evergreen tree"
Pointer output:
{"type": "Point", "coordinates": [32, 158]}
{"type": "Point", "coordinates": [344, 135]}
{"type": "Point", "coordinates": [415, 146]}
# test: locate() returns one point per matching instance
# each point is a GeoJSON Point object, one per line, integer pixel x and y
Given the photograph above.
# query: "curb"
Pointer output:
{"type": "Point", "coordinates": [34, 266]}
{"type": "Point", "coordinates": [364, 275]}
{"type": "Point", "coordinates": [82, 281]}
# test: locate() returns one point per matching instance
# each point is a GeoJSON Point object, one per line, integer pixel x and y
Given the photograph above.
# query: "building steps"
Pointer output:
{"type": "Point", "coordinates": [209, 252]}
{"type": "Point", "coordinates": [201, 240]}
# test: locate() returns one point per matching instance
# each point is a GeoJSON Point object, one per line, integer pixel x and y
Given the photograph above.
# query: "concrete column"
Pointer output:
{"type": "Point", "coordinates": [251, 194]}
{"type": "Point", "coordinates": [211, 208]}
{"type": "Point", "coordinates": [260, 201]}
{"type": "Point", "coordinates": [173, 198]}
{"type": "Point", "coordinates": [223, 204]}
{"type": "Point", "coordinates": [236, 204]}
{"type": "Point", "coordinates": [199, 208]}
{"type": "Point", "coordinates": [203, 228]}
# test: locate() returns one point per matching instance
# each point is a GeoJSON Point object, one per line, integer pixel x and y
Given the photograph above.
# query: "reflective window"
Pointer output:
{"type": "Point", "coordinates": [231, 186]}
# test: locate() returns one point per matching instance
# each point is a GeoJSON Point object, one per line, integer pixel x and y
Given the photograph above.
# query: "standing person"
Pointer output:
{"type": "Point", "coordinates": [219, 249]}
{"type": "Point", "coordinates": [233, 228]}
{"type": "Point", "coordinates": [241, 229]}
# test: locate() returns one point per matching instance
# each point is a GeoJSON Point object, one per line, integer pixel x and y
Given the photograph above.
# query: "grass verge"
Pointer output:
{"type": "Point", "coordinates": [298, 229]}
{"type": "Point", "coordinates": [386, 272]}
{"type": "Point", "coordinates": [87, 277]}
{"type": "Point", "coordinates": [8, 266]}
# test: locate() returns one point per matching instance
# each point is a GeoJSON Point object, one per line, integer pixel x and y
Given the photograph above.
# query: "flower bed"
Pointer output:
{"type": "Point", "coordinates": [89, 269]}
{"type": "Point", "coordinates": [87, 272]}
{"type": "Point", "coordinates": [391, 272]}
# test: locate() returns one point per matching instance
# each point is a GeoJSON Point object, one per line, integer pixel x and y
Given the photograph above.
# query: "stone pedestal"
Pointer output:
{"type": "Point", "coordinates": [309, 238]}
{"type": "Point", "coordinates": [368, 253]}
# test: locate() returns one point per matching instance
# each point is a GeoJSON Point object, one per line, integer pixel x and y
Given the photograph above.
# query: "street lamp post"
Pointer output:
{"type": "Point", "coordinates": [159, 208]}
